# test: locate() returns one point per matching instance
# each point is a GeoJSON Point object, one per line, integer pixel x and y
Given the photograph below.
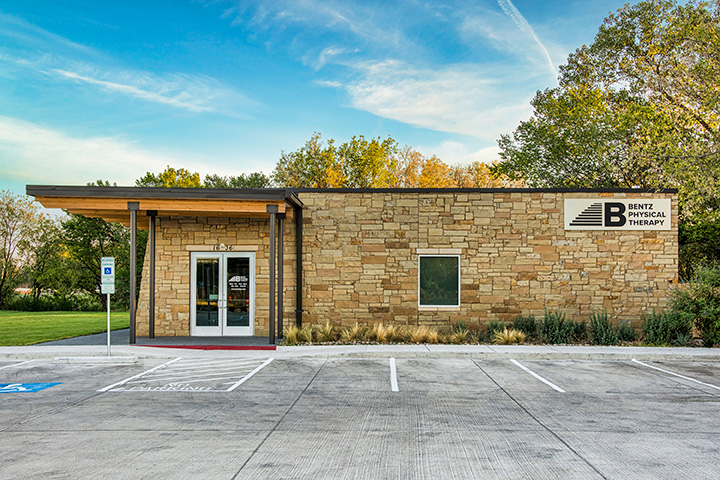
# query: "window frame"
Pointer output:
{"type": "Point", "coordinates": [459, 280]}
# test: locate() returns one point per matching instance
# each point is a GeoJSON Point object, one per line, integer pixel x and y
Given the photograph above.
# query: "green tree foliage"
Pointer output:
{"type": "Point", "coordinates": [170, 177]}
{"type": "Point", "coordinates": [87, 240]}
{"type": "Point", "coordinates": [637, 107]}
{"type": "Point", "coordinates": [699, 300]}
{"type": "Point", "coordinates": [20, 223]}
{"type": "Point", "coordinates": [359, 163]}
{"type": "Point", "coordinates": [252, 180]}
{"type": "Point", "coordinates": [376, 163]}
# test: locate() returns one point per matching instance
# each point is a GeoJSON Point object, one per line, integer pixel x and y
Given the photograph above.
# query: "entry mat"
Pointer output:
{"type": "Point", "coordinates": [25, 387]}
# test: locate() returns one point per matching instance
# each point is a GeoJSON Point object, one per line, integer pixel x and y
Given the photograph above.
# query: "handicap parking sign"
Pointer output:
{"type": "Point", "coordinates": [25, 387]}
{"type": "Point", "coordinates": [108, 271]}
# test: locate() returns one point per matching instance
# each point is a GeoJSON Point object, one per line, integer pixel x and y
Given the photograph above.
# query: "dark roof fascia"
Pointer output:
{"type": "Point", "coordinates": [484, 190]}
{"type": "Point", "coordinates": [259, 194]}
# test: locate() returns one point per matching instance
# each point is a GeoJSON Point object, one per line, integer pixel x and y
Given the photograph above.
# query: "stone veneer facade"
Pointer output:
{"type": "Point", "coordinates": [360, 259]}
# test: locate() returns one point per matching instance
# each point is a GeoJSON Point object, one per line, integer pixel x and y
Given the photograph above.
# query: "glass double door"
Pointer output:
{"type": "Point", "coordinates": [222, 294]}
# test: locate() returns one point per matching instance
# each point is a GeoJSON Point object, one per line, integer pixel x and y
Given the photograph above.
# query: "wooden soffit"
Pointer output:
{"type": "Point", "coordinates": [116, 208]}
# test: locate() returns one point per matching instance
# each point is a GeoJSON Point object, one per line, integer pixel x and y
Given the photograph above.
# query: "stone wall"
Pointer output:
{"type": "Point", "coordinates": [361, 258]}
{"type": "Point", "coordinates": [361, 253]}
{"type": "Point", "coordinates": [172, 268]}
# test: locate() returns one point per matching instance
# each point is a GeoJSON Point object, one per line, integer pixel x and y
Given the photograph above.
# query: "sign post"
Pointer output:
{"type": "Point", "coordinates": [107, 286]}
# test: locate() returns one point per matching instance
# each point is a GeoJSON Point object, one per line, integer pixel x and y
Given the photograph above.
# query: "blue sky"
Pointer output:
{"type": "Point", "coordinates": [113, 89]}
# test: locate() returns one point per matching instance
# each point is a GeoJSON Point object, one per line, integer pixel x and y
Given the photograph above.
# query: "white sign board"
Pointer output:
{"type": "Point", "coordinates": [107, 275]}
{"type": "Point", "coordinates": [617, 214]}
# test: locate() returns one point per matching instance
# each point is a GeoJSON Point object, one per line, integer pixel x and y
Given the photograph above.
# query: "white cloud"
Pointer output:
{"type": "Point", "coordinates": [34, 154]}
{"type": "Point", "coordinates": [346, 17]}
{"type": "Point", "coordinates": [180, 91]}
{"type": "Point", "coordinates": [517, 18]}
{"type": "Point", "coordinates": [465, 99]}
{"type": "Point", "coordinates": [452, 152]}
{"type": "Point", "coordinates": [69, 61]}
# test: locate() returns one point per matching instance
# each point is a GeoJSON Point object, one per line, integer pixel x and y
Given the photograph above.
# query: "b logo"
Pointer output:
{"type": "Point", "coordinates": [614, 214]}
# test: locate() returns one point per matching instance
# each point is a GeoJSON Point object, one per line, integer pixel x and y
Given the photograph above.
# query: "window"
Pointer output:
{"type": "Point", "coordinates": [439, 284]}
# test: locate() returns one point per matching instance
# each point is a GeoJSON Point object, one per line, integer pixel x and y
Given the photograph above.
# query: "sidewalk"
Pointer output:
{"type": "Point", "coordinates": [538, 352]}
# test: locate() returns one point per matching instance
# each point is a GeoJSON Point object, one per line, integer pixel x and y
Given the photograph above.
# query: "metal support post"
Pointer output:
{"type": "Point", "coordinates": [133, 207]}
{"type": "Point", "coordinates": [151, 298]}
{"type": "Point", "coordinates": [281, 226]}
{"type": "Point", "coordinates": [298, 270]}
{"type": "Point", "coordinates": [272, 210]}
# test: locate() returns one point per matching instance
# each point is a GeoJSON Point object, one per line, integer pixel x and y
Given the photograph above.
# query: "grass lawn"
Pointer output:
{"type": "Point", "coordinates": [27, 328]}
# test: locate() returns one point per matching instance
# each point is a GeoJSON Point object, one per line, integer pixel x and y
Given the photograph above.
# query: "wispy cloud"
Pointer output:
{"type": "Point", "coordinates": [64, 60]}
{"type": "Point", "coordinates": [193, 93]}
{"type": "Point", "coordinates": [454, 152]}
{"type": "Point", "coordinates": [351, 18]}
{"type": "Point", "coordinates": [465, 99]}
{"type": "Point", "coordinates": [517, 18]}
{"type": "Point", "coordinates": [32, 153]}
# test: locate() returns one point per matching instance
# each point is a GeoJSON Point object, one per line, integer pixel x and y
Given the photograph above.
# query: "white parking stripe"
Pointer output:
{"type": "Point", "coordinates": [250, 375]}
{"type": "Point", "coordinates": [393, 377]}
{"type": "Point", "coordinates": [138, 375]}
{"type": "Point", "coordinates": [17, 364]}
{"type": "Point", "coordinates": [169, 378]}
{"type": "Point", "coordinates": [676, 374]}
{"type": "Point", "coordinates": [546, 382]}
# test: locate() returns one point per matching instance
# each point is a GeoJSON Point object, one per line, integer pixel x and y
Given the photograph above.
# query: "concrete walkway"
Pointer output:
{"type": "Point", "coordinates": [549, 352]}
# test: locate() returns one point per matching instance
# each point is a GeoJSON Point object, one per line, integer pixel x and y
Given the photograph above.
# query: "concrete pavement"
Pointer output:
{"type": "Point", "coordinates": [539, 352]}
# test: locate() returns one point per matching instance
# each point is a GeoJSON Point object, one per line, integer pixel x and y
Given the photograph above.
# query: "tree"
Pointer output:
{"type": "Point", "coordinates": [359, 163]}
{"type": "Point", "coordinates": [376, 163]}
{"type": "Point", "coordinates": [19, 219]}
{"type": "Point", "coordinates": [170, 177]}
{"type": "Point", "coordinates": [252, 180]}
{"type": "Point", "coordinates": [479, 175]}
{"type": "Point", "coordinates": [637, 107]}
{"type": "Point", "coordinates": [88, 240]}
{"type": "Point", "coordinates": [46, 258]}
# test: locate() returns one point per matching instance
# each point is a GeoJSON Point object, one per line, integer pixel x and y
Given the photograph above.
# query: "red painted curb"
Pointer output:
{"type": "Point", "coordinates": [215, 347]}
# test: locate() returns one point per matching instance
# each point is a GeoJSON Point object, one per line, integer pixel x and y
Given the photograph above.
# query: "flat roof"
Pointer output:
{"type": "Point", "coordinates": [113, 203]}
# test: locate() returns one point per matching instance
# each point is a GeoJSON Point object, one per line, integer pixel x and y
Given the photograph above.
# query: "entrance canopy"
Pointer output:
{"type": "Point", "coordinates": [138, 207]}
{"type": "Point", "coordinates": [113, 203]}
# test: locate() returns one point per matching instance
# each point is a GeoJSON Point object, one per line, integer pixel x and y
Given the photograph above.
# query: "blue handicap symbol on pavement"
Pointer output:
{"type": "Point", "coordinates": [25, 387]}
{"type": "Point", "coordinates": [108, 270]}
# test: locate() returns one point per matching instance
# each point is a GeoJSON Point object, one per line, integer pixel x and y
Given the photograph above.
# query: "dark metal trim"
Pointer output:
{"type": "Point", "coordinates": [151, 297]}
{"type": "Point", "coordinates": [260, 194]}
{"type": "Point", "coordinates": [288, 194]}
{"type": "Point", "coordinates": [133, 207]}
{"type": "Point", "coordinates": [484, 190]}
{"type": "Point", "coordinates": [271, 323]}
{"type": "Point", "coordinates": [281, 306]}
{"type": "Point", "coordinates": [298, 267]}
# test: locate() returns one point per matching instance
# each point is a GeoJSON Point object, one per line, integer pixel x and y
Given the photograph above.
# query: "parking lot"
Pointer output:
{"type": "Point", "coordinates": [231, 416]}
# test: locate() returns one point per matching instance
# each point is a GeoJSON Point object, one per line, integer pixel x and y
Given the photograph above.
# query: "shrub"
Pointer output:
{"type": "Point", "coordinates": [305, 335]}
{"type": "Point", "coordinates": [380, 333]}
{"type": "Point", "coordinates": [460, 335]}
{"type": "Point", "coordinates": [79, 302]}
{"type": "Point", "coordinates": [666, 328]}
{"type": "Point", "coordinates": [509, 337]}
{"type": "Point", "coordinates": [699, 300]}
{"type": "Point", "coordinates": [493, 327]}
{"type": "Point", "coordinates": [527, 325]}
{"type": "Point", "coordinates": [291, 335]}
{"type": "Point", "coordinates": [555, 328]}
{"type": "Point", "coordinates": [326, 333]}
{"type": "Point", "coordinates": [601, 331]}
{"type": "Point", "coordinates": [420, 334]}
{"type": "Point", "coordinates": [626, 333]}
{"type": "Point", "coordinates": [352, 334]}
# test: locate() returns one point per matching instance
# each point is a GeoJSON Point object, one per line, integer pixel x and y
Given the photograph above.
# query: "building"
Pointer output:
{"type": "Point", "coordinates": [248, 262]}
